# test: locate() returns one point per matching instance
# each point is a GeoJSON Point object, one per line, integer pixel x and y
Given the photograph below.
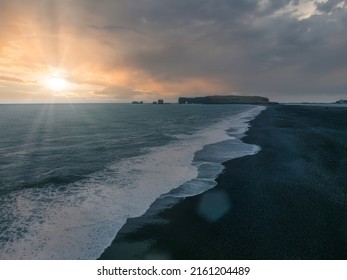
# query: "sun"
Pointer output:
{"type": "Point", "coordinates": [56, 83]}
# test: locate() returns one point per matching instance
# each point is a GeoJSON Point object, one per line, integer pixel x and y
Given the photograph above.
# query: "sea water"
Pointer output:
{"type": "Point", "coordinates": [72, 174]}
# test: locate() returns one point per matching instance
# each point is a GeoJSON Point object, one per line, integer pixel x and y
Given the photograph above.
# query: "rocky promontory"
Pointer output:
{"type": "Point", "coordinates": [224, 99]}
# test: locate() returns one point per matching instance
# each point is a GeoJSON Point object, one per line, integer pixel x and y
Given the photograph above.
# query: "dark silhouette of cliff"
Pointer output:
{"type": "Point", "coordinates": [224, 99]}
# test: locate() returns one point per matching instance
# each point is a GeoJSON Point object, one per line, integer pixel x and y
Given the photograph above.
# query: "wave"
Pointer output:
{"type": "Point", "coordinates": [79, 220]}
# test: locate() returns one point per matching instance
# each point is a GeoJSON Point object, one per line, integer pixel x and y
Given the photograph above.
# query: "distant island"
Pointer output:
{"type": "Point", "coordinates": [160, 102]}
{"type": "Point", "coordinates": [341, 102]}
{"type": "Point", "coordinates": [224, 99]}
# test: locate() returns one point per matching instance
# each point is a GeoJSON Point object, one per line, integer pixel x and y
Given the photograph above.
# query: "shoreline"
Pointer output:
{"type": "Point", "coordinates": [286, 202]}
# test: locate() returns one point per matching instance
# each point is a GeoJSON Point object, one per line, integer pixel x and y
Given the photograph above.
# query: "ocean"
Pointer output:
{"type": "Point", "coordinates": [72, 174]}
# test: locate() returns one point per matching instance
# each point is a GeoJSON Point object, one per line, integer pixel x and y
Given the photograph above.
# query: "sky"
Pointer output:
{"type": "Point", "coordinates": [124, 50]}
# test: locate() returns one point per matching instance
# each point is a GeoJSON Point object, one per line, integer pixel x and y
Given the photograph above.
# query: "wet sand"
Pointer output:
{"type": "Point", "coordinates": [289, 201]}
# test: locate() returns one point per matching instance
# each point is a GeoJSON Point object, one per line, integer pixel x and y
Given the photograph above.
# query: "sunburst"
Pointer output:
{"type": "Point", "coordinates": [56, 83]}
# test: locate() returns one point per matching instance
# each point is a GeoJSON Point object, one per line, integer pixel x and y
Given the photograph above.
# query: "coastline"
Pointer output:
{"type": "Point", "coordinates": [286, 202]}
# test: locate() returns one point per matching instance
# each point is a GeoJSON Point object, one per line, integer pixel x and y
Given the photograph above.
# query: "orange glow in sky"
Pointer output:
{"type": "Point", "coordinates": [119, 51]}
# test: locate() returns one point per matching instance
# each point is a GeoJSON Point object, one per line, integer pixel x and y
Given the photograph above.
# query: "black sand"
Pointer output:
{"type": "Point", "coordinates": [287, 202]}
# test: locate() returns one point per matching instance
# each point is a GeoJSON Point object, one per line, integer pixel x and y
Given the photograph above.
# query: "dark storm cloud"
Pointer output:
{"type": "Point", "coordinates": [328, 6]}
{"type": "Point", "coordinates": [240, 40]}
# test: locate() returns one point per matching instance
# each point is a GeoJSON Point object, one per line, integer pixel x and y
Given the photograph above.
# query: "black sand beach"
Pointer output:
{"type": "Point", "coordinates": [289, 201]}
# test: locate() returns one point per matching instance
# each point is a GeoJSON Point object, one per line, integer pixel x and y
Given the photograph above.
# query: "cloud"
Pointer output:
{"type": "Point", "coordinates": [11, 79]}
{"type": "Point", "coordinates": [330, 5]}
{"type": "Point", "coordinates": [120, 93]}
{"type": "Point", "coordinates": [141, 49]}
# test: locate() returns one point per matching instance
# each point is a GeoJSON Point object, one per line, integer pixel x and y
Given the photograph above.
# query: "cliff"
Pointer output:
{"type": "Point", "coordinates": [224, 99]}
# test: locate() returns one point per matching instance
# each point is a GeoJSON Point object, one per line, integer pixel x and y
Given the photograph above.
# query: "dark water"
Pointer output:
{"type": "Point", "coordinates": [70, 175]}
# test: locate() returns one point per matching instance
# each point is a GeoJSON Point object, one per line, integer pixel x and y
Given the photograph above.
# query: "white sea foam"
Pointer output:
{"type": "Point", "coordinates": [81, 220]}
